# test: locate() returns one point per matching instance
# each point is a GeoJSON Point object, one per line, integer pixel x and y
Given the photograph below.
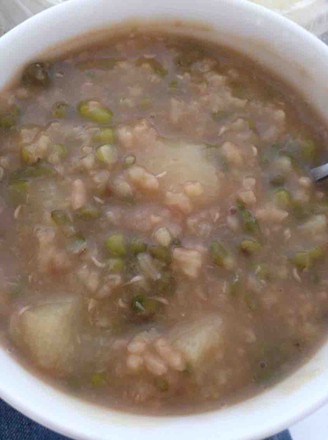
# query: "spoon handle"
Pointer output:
{"type": "Point", "coordinates": [320, 173]}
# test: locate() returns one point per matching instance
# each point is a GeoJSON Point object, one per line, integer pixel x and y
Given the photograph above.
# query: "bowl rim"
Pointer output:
{"type": "Point", "coordinates": [121, 425]}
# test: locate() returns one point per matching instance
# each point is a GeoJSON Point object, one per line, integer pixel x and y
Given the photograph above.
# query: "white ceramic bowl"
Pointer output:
{"type": "Point", "coordinates": [297, 57]}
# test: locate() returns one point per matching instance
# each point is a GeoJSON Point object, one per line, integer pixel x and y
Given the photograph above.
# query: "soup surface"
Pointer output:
{"type": "Point", "coordinates": [162, 244]}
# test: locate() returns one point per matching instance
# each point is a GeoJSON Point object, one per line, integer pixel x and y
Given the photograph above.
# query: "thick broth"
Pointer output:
{"type": "Point", "coordinates": [163, 247]}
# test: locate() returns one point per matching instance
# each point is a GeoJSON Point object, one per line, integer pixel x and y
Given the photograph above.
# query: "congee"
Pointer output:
{"type": "Point", "coordinates": [163, 247]}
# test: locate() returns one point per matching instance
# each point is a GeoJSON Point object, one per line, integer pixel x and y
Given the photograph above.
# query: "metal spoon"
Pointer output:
{"type": "Point", "coordinates": [320, 173]}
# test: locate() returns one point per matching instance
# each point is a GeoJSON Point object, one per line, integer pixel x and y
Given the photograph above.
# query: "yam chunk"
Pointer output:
{"type": "Point", "coordinates": [47, 332]}
{"type": "Point", "coordinates": [197, 339]}
{"type": "Point", "coordinates": [178, 163]}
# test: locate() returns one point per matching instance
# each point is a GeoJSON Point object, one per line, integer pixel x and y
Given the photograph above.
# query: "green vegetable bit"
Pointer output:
{"type": "Point", "coordinates": [156, 66]}
{"type": "Point", "coordinates": [220, 255]}
{"type": "Point", "coordinates": [239, 90]}
{"type": "Point", "coordinates": [248, 220]}
{"type": "Point", "coordinates": [221, 115]}
{"type": "Point", "coordinates": [60, 217]}
{"type": "Point", "coordinates": [18, 191]}
{"type": "Point", "coordinates": [27, 155]}
{"type": "Point", "coordinates": [173, 84]}
{"type": "Point", "coordinates": [88, 213]}
{"type": "Point", "coordinates": [176, 242]}
{"type": "Point", "coordinates": [60, 110]}
{"type": "Point", "coordinates": [250, 246]}
{"type": "Point", "coordinates": [283, 198]}
{"type": "Point", "coordinates": [37, 74]}
{"type": "Point", "coordinates": [187, 58]}
{"type": "Point", "coordinates": [166, 284]}
{"type": "Point", "coordinates": [116, 245]}
{"type": "Point", "coordinates": [116, 265]}
{"type": "Point", "coordinates": [64, 221]}
{"type": "Point", "coordinates": [107, 154]}
{"type": "Point", "coordinates": [99, 379]}
{"type": "Point", "coordinates": [162, 384]}
{"type": "Point", "coordinates": [77, 244]}
{"type": "Point", "coordinates": [145, 103]}
{"type": "Point", "coordinates": [301, 260]}
{"type": "Point", "coordinates": [277, 180]}
{"type": "Point", "coordinates": [95, 111]}
{"type": "Point", "coordinates": [161, 253]}
{"type": "Point", "coordinates": [143, 306]}
{"type": "Point", "coordinates": [252, 125]}
{"type": "Point", "coordinates": [262, 272]}
{"type": "Point", "coordinates": [304, 260]}
{"type": "Point", "coordinates": [39, 169]}
{"type": "Point", "coordinates": [321, 207]}
{"type": "Point", "coordinates": [188, 369]}
{"type": "Point", "coordinates": [137, 246]}
{"type": "Point", "coordinates": [251, 302]}
{"type": "Point", "coordinates": [9, 118]}
{"type": "Point", "coordinates": [301, 210]}
{"type": "Point", "coordinates": [105, 136]}
{"type": "Point", "coordinates": [309, 150]}
{"type": "Point", "coordinates": [317, 253]}
{"type": "Point", "coordinates": [58, 152]}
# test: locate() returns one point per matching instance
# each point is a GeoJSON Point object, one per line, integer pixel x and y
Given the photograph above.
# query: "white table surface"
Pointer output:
{"type": "Point", "coordinates": [313, 427]}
